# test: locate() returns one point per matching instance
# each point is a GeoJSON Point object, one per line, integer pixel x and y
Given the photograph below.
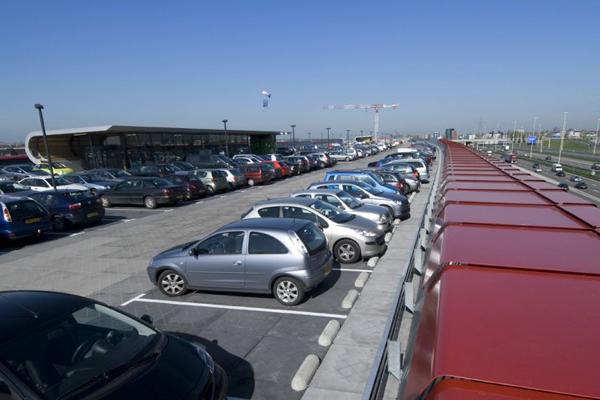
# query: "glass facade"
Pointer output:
{"type": "Point", "coordinates": [130, 149]}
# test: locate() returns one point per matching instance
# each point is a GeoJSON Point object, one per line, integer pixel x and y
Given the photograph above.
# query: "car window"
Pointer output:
{"type": "Point", "coordinates": [222, 244]}
{"type": "Point", "coordinates": [269, 212]}
{"type": "Point", "coordinates": [298, 213]}
{"type": "Point", "coordinates": [261, 243]}
{"type": "Point", "coordinates": [329, 199]}
{"type": "Point", "coordinates": [25, 209]}
{"type": "Point", "coordinates": [312, 238]}
{"type": "Point", "coordinates": [126, 185]}
{"type": "Point", "coordinates": [303, 195]}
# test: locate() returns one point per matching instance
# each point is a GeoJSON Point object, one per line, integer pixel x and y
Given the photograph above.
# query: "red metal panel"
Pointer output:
{"type": "Point", "coordinates": [516, 185]}
{"type": "Point", "coordinates": [541, 185]}
{"type": "Point", "coordinates": [561, 197]}
{"type": "Point", "coordinates": [543, 249]}
{"type": "Point", "coordinates": [588, 213]}
{"type": "Point", "coordinates": [459, 389]}
{"type": "Point", "coordinates": [523, 215]}
{"type": "Point", "coordinates": [517, 328]}
{"type": "Point", "coordinates": [481, 178]}
{"type": "Point", "coordinates": [494, 197]}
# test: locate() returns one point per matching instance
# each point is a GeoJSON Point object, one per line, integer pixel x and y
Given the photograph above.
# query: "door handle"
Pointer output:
{"type": "Point", "coordinates": [237, 263]}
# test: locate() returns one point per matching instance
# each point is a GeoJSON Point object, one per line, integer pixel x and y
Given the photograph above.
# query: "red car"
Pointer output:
{"type": "Point", "coordinates": [281, 169]}
{"type": "Point", "coordinates": [257, 174]}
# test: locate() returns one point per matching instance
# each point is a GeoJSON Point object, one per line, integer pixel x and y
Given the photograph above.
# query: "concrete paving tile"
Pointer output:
{"type": "Point", "coordinates": [362, 330]}
{"type": "Point", "coordinates": [345, 368]}
{"type": "Point", "coordinates": [313, 393]}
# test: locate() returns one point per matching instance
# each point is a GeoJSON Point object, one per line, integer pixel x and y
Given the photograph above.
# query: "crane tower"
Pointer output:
{"type": "Point", "coordinates": [374, 107]}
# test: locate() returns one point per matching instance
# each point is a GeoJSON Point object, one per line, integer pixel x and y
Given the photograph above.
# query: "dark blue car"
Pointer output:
{"type": "Point", "coordinates": [69, 207]}
{"type": "Point", "coordinates": [22, 218]}
{"type": "Point", "coordinates": [363, 176]}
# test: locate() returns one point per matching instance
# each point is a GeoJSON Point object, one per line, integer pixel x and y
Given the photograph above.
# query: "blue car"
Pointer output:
{"type": "Point", "coordinates": [363, 176]}
{"type": "Point", "coordinates": [22, 217]}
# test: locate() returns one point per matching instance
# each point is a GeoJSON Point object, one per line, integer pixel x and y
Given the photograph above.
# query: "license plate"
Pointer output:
{"type": "Point", "coordinates": [179, 197]}
{"type": "Point", "coordinates": [92, 214]}
{"type": "Point", "coordinates": [32, 220]}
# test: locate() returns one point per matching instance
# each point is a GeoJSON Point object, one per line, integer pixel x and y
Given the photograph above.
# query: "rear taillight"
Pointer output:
{"type": "Point", "coordinates": [74, 206]}
{"type": "Point", "coordinates": [6, 213]}
{"type": "Point", "coordinates": [167, 191]}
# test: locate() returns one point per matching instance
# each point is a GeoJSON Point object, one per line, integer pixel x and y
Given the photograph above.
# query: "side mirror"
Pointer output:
{"type": "Point", "coordinates": [194, 252]}
{"type": "Point", "coordinates": [147, 319]}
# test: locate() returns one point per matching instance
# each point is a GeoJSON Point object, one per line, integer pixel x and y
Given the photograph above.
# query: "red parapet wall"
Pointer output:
{"type": "Point", "coordinates": [510, 301]}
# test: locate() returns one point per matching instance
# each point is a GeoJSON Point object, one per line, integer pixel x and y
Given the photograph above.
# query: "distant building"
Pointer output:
{"type": "Point", "coordinates": [451, 134]}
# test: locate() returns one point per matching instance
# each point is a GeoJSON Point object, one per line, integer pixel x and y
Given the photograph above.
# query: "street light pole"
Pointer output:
{"type": "Point", "coordinates": [40, 107]}
{"type": "Point", "coordinates": [328, 142]}
{"type": "Point", "coordinates": [562, 135]}
{"type": "Point", "coordinates": [532, 138]}
{"type": "Point", "coordinates": [348, 137]}
{"type": "Point", "coordinates": [596, 141]}
{"type": "Point", "coordinates": [293, 136]}
{"type": "Point", "coordinates": [226, 138]}
{"type": "Point", "coordinates": [309, 137]}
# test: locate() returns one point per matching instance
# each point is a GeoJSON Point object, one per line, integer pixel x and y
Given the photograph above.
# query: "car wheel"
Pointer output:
{"type": "Point", "coordinates": [59, 224]}
{"type": "Point", "coordinates": [288, 291]}
{"type": "Point", "coordinates": [210, 190]}
{"type": "Point", "coordinates": [347, 251]}
{"type": "Point", "coordinates": [347, 158]}
{"type": "Point", "coordinates": [171, 283]}
{"type": "Point", "coordinates": [150, 202]}
{"type": "Point", "coordinates": [250, 182]}
{"type": "Point", "coordinates": [105, 202]}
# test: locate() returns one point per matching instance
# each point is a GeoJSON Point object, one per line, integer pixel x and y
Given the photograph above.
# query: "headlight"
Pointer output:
{"type": "Point", "coordinates": [382, 218]}
{"type": "Point", "coordinates": [365, 233]}
{"type": "Point", "coordinates": [399, 202]}
{"type": "Point", "coordinates": [203, 354]}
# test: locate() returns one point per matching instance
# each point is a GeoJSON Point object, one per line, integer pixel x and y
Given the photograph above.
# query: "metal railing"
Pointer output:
{"type": "Point", "coordinates": [388, 356]}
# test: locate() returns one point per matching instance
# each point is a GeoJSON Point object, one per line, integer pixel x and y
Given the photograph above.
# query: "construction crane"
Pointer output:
{"type": "Point", "coordinates": [375, 107]}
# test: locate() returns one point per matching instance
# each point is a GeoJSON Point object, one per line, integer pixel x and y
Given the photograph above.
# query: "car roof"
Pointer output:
{"type": "Point", "coordinates": [320, 191]}
{"type": "Point", "coordinates": [26, 309]}
{"type": "Point", "coordinates": [267, 223]}
{"type": "Point", "coordinates": [340, 181]}
{"type": "Point", "coordinates": [302, 201]}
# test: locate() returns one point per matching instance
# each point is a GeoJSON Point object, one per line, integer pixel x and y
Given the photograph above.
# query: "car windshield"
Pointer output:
{"type": "Point", "coordinates": [91, 178]}
{"type": "Point", "coordinates": [84, 348]}
{"type": "Point", "coordinates": [60, 181]}
{"type": "Point", "coordinates": [349, 200]}
{"type": "Point", "coordinates": [119, 173]}
{"type": "Point", "coordinates": [331, 212]}
{"type": "Point", "coordinates": [27, 168]}
{"type": "Point", "coordinates": [371, 189]}
{"type": "Point", "coordinates": [160, 182]}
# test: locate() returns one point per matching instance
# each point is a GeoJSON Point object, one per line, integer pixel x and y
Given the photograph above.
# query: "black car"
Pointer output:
{"type": "Point", "coordinates": [60, 346]}
{"type": "Point", "coordinates": [192, 185]}
{"type": "Point", "coordinates": [150, 192]}
{"type": "Point", "coordinates": [68, 207]}
{"type": "Point", "coordinates": [11, 187]}
{"type": "Point", "coordinates": [285, 151]}
{"type": "Point", "coordinates": [561, 174]}
{"type": "Point", "coordinates": [581, 185]}
{"type": "Point", "coordinates": [564, 186]}
{"type": "Point", "coordinates": [159, 170]}
{"type": "Point", "coordinates": [548, 158]}
{"type": "Point", "coordinates": [109, 173]}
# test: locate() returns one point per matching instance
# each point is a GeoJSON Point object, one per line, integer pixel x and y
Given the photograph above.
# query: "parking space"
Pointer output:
{"type": "Point", "coordinates": [260, 342]}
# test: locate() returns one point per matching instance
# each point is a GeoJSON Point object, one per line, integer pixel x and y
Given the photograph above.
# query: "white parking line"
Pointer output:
{"type": "Point", "coordinates": [237, 308]}
{"type": "Point", "coordinates": [128, 220]}
{"type": "Point", "coordinates": [139, 296]}
{"type": "Point", "coordinates": [352, 270]}
{"type": "Point", "coordinates": [139, 209]}
{"type": "Point", "coordinates": [412, 195]}
{"type": "Point", "coordinates": [76, 234]}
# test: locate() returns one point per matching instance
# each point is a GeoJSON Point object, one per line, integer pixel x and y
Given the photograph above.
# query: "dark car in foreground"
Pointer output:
{"type": "Point", "coordinates": [22, 218]}
{"type": "Point", "coordinates": [150, 192]}
{"type": "Point", "coordinates": [61, 346]}
{"type": "Point", "coordinates": [69, 207]}
{"type": "Point", "coordinates": [285, 257]}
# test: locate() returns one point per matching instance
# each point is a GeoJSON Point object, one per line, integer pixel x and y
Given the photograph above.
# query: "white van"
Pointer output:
{"type": "Point", "coordinates": [557, 167]}
{"type": "Point", "coordinates": [419, 165]}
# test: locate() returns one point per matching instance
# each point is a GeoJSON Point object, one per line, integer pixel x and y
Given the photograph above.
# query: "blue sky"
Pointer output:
{"type": "Point", "coordinates": [191, 64]}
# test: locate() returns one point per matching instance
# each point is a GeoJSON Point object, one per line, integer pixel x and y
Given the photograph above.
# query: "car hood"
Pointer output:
{"type": "Point", "coordinates": [370, 209]}
{"type": "Point", "coordinates": [173, 251]}
{"type": "Point", "coordinates": [393, 196]}
{"type": "Point", "coordinates": [361, 223]}
{"type": "Point", "coordinates": [163, 381]}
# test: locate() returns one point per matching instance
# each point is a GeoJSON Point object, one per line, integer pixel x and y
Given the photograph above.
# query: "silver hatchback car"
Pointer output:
{"type": "Point", "coordinates": [350, 237]}
{"type": "Point", "coordinates": [285, 257]}
{"type": "Point", "coordinates": [350, 204]}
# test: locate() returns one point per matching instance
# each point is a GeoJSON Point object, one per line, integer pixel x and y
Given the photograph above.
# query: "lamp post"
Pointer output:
{"type": "Point", "coordinates": [562, 135]}
{"type": "Point", "coordinates": [328, 142]}
{"type": "Point", "coordinates": [309, 137]}
{"type": "Point", "coordinates": [532, 138]}
{"type": "Point", "coordinates": [348, 137]}
{"type": "Point", "coordinates": [293, 136]}
{"type": "Point", "coordinates": [40, 107]}
{"type": "Point", "coordinates": [596, 141]}
{"type": "Point", "coordinates": [226, 138]}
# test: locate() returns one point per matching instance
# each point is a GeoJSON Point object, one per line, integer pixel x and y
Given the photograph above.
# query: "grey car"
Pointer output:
{"type": "Point", "coordinates": [350, 237]}
{"type": "Point", "coordinates": [214, 180]}
{"type": "Point", "coordinates": [350, 204]}
{"type": "Point", "coordinates": [285, 257]}
{"type": "Point", "coordinates": [398, 205]}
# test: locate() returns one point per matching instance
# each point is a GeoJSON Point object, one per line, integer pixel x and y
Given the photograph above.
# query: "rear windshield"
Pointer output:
{"type": "Point", "coordinates": [312, 237]}
{"type": "Point", "coordinates": [119, 173]}
{"type": "Point", "coordinates": [25, 209]}
{"type": "Point", "coordinates": [160, 182]}
{"type": "Point", "coordinates": [11, 187]}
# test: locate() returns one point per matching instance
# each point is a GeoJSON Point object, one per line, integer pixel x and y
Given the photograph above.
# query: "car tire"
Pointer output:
{"type": "Point", "coordinates": [171, 283]}
{"type": "Point", "coordinates": [59, 223]}
{"type": "Point", "coordinates": [288, 291]}
{"type": "Point", "coordinates": [210, 190]}
{"type": "Point", "coordinates": [105, 202]}
{"type": "Point", "coordinates": [347, 251]}
{"type": "Point", "coordinates": [149, 202]}
{"type": "Point", "coordinates": [347, 159]}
